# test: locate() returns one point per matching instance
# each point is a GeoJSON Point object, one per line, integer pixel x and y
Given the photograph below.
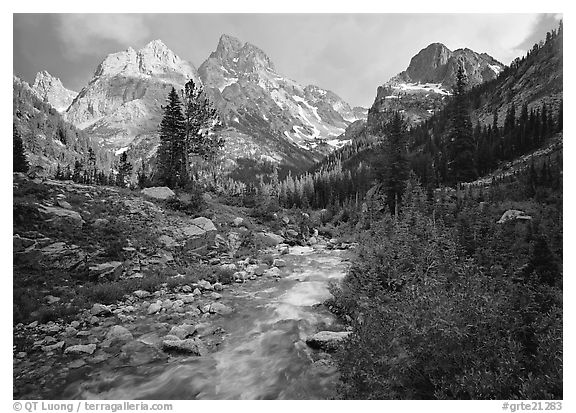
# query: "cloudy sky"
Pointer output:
{"type": "Point", "coordinates": [350, 54]}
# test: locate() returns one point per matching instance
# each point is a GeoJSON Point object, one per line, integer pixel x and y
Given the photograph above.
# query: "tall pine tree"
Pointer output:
{"type": "Point", "coordinates": [171, 159]}
{"type": "Point", "coordinates": [460, 140]}
{"type": "Point", "coordinates": [201, 121]}
{"type": "Point", "coordinates": [393, 167]}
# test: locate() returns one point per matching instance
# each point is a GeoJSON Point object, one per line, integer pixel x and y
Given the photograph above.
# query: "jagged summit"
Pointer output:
{"type": "Point", "coordinates": [51, 89]}
{"type": "Point", "coordinates": [155, 58]}
{"type": "Point", "coordinates": [123, 99]}
{"type": "Point", "coordinates": [421, 89]}
{"type": "Point", "coordinates": [438, 64]}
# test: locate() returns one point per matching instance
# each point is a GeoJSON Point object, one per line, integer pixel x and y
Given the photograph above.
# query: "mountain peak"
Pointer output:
{"type": "Point", "coordinates": [155, 58]}
{"type": "Point", "coordinates": [155, 45]}
{"type": "Point", "coordinates": [51, 89]}
{"type": "Point", "coordinates": [438, 64]}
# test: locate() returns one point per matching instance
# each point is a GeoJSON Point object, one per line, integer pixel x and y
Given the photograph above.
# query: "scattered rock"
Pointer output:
{"type": "Point", "coordinates": [196, 292]}
{"type": "Point", "coordinates": [139, 353]}
{"type": "Point", "coordinates": [100, 223]}
{"type": "Point", "coordinates": [154, 308]}
{"type": "Point", "coordinates": [61, 255]}
{"type": "Point", "coordinates": [328, 341]}
{"type": "Point", "coordinates": [111, 270]}
{"type": "Point", "coordinates": [312, 241]}
{"type": "Point", "coordinates": [167, 241]}
{"type": "Point", "coordinates": [182, 331]}
{"type": "Point", "coordinates": [199, 234]}
{"type": "Point", "coordinates": [291, 233]}
{"type": "Point", "coordinates": [217, 296]}
{"type": "Point", "coordinates": [51, 299]}
{"type": "Point", "coordinates": [218, 286]}
{"type": "Point", "coordinates": [279, 263]}
{"type": "Point", "coordinates": [100, 310]}
{"type": "Point", "coordinates": [269, 239]}
{"type": "Point", "coordinates": [186, 298]}
{"type": "Point", "coordinates": [205, 308]}
{"type": "Point", "coordinates": [119, 333]}
{"type": "Point", "coordinates": [219, 308]}
{"type": "Point", "coordinates": [158, 192]}
{"type": "Point", "coordinates": [273, 272]}
{"type": "Point", "coordinates": [259, 271]}
{"type": "Point", "coordinates": [205, 285]}
{"type": "Point", "coordinates": [81, 349]}
{"type": "Point", "coordinates": [63, 204]}
{"type": "Point", "coordinates": [513, 214]}
{"type": "Point", "coordinates": [61, 217]}
{"type": "Point", "coordinates": [189, 345]}
{"type": "Point", "coordinates": [141, 293]}
{"type": "Point", "coordinates": [20, 244]}
{"type": "Point", "coordinates": [238, 221]}
{"type": "Point", "coordinates": [58, 346]}
{"type": "Point", "coordinates": [76, 364]}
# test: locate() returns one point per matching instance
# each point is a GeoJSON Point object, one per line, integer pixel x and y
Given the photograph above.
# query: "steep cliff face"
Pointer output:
{"type": "Point", "coordinates": [50, 89]}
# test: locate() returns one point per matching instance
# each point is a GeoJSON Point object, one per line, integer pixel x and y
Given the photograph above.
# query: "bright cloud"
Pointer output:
{"type": "Point", "coordinates": [82, 32]}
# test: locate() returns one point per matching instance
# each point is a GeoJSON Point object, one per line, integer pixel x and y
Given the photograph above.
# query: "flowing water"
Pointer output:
{"type": "Point", "coordinates": [263, 355]}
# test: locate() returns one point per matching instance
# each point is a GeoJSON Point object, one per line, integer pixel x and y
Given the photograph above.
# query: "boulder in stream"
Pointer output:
{"type": "Point", "coordinates": [189, 345]}
{"type": "Point", "coordinates": [328, 341]}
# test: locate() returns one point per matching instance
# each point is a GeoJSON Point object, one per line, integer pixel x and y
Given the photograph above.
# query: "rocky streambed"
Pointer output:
{"type": "Point", "coordinates": [264, 338]}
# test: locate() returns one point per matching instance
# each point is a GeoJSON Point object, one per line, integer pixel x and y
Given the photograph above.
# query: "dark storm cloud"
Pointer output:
{"type": "Point", "coordinates": [350, 54]}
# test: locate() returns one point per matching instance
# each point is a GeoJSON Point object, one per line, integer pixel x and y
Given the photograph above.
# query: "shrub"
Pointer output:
{"type": "Point", "coordinates": [430, 323]}
{"type": "Point", "coordinates": [225, 275]}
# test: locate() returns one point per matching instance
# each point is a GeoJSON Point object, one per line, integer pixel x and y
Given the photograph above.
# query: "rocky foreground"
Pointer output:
{"type": "Point", "coordinates": [171, 275]}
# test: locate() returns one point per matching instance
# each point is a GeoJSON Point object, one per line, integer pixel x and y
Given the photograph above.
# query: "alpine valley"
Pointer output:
{"type": "Point", "coordinates": [224, 232]}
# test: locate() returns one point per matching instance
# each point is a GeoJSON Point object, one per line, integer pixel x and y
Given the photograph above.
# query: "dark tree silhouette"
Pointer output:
{"type": "Point", "coordinates": [20, 162]}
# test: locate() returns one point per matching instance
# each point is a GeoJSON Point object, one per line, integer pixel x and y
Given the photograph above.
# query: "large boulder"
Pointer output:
{"type": "Point", "coordinates": [100, 310]}
{"type": "Point", "coordinates": [182, 331]}
{"type": "Point", "coordinates": [199, 234]}
{"type": "Point", "coordinates": [512, 215]}
{"type": "Point", "coordinates": [219, 308]}
{"type": "Point", "coordinates": [328, 341]}
{"type": "Point", "coordinates": [159, 192]}
{"type": "Point", "coordinates": [56, 255]}
{"type": "Point", "coordinates": [81, 349]}
{"type": "Point", "coordinates": [189, 345]}
{"type": "Point", "coordinates": [119, 333]}
{"type": "Point", "coordinates": [61, 217]}
{"type": "Point", "coordinates": [269, 239]}
{"type": "Point", "coordinates": [111, 270]}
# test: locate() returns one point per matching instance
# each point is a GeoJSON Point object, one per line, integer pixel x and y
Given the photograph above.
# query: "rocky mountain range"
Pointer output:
{"type": "Point", "coordinates": [267, 117]}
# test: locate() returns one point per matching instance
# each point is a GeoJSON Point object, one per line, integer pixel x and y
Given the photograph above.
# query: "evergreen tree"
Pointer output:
{"type": "Point", "coordinates": [171, 159]}
{"type": "Point", "coordinates": [124, 170]}
{"type": "Point", "coordinates": [78, 171]}
{"type": "Point", "coordinates": [460, 140]}
{"type": "Point", "coordinates": [20, 162]}
{"type": "Point", "coordinates": [392, 168]}
{"type": "Point", "coordinates": [201, 121]}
